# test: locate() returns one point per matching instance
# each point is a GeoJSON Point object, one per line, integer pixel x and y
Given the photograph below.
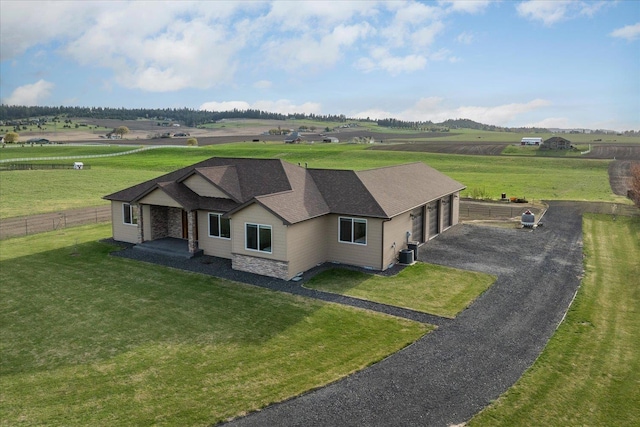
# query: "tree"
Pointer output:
{"type": "Point", "coordinates": [11, 137]}
{"type": "Point", "coordinates": [634, 181]}
{"type": "Point", "coordinates": [121, 131]}
{"type": "Point", "coordinates": [192, 142]}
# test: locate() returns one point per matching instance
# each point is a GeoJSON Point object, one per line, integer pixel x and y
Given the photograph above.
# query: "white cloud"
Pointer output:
{"type": "Point", "coordinates": [283, 106]}
{"type": "Point", "coordinates": [553, 11]}
{"type": "Point", "coordinates": [468, 6]}
{"type": "Point", "coordinates": [465, 37]}
{"type": "Point", "coordinates": [263, 84]}
{"type": "Point", "coordinates": [549, 12]}
{"type": "Point", "coordinates": [432, 109]}
{"type": "Point", "coordinates": [629, 32]}
{"type": "Point", "coordinates": [27, 24]}
{"type": "Point", "coordinates": [315, 48]}
{"type": "Point", "coordinates": [32, 94]}
{"type": "Point", "coordinates": [382, 59]}
{"type": "Point", "coordinates": [552, 122]}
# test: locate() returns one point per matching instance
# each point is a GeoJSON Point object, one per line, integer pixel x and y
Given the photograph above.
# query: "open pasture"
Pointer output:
{"type": "Point", "coordinates": [533, 178]}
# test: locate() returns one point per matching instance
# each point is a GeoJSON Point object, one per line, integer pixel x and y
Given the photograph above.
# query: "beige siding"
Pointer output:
{"type": "Point", "coordinates": [368, 255]}
{"type": "Point", "coordinates": [307, 244]}
{"type": "Point", "coordinates": [213, 246]}
{"type": "Point", "coordinates": [455, 208]}
{"type": "Point", "coordinates": [395, 231]}
{"type": "Point", "coordinates": [146, 222]}
{"type": "Point", "coordinates": [202, 187]}
{"type": "Point", "coordinates": [160, 198]}
{"type": "Point", "coordinates": [121, 231]}
{"type": "Point", "coordinates": [256, 214]}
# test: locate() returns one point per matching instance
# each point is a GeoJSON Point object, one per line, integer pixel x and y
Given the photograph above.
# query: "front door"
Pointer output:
{"type": "Point", "coordinates": [185, 225]}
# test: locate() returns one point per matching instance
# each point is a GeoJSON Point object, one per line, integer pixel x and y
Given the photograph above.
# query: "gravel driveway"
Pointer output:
{"type": "Point", "coordinates": [452, 373]}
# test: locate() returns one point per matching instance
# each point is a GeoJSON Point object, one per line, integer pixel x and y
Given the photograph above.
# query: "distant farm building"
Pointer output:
{"type": "Point", "coordinates": [293, 138]}
{"type": "Point", "coordinates": [531, 141]}
{"type": "Point", "coordinates": [330, 139]}
{"type": "Point", "coordinates": [556, 143]}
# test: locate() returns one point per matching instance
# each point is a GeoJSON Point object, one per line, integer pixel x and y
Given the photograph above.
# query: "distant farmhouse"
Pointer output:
{"type": "Point", "coordinates": [273, 218]}
{"type": "Point", "coordinates": [293, 138]}
{"type": "Point", "coordinates": [556, 143]}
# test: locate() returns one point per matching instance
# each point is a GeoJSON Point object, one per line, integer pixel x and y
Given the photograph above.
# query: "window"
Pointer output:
{"type": "Point", "coordinates": [353, 230]}
{"type": "Point", "coordinates": [258, 237]}
{"type": "Point", "coordinates": [129, 214]}
{"type": "Point", "coordinates": [219, 226]}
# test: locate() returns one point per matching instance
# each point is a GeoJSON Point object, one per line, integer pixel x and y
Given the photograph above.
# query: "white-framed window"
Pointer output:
{"type": "Point", "coordinates": [258, 237]}
{"type": "Point", "coordinates": [219, 226]}
{"type": "Point", "coordinates": [129, 214]}
{"type": "Point", "coordinates": [352, 230]}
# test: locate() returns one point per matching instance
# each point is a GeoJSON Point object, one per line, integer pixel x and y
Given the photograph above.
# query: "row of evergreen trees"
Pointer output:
{"type": "Point", "coordinates": [193, 118]}
{"type": "Point", "coordinates": [186, 116]}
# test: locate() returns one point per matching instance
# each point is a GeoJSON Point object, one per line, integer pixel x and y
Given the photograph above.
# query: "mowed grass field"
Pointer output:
{"type": "Point", "coordinates": [429, 288]}
{"type": "Point", "coordinates": [91, 339]}
{"type": "Point", "coordinates": [532, 178]}
{"type": "Point", "coordinates": [589, 372]}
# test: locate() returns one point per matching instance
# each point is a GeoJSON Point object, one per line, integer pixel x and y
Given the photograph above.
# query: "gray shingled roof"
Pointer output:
{"type": "Point", "coordinates": [295, 194]}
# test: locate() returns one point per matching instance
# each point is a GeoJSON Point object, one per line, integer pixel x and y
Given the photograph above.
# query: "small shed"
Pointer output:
{"type": "Point", "coordinates": [556, 143]}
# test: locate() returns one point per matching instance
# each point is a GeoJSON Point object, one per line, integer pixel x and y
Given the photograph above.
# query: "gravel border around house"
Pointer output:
{"type": "Point", "coordinates": [452, 373]}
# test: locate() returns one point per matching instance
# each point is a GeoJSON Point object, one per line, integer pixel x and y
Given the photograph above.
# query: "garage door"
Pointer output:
{"type": "Point", "coordinates": [432, 209]}
{"type": "Point", "coordinates": [446, 212]}
{"type": "Point", "coordinates": [417, 224]}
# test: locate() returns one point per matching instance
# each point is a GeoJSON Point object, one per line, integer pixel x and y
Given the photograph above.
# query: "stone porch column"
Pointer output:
{"type": "Point", "coordinates": [191, 232]}
{"type": "Point", "coordinates": [138, 211]}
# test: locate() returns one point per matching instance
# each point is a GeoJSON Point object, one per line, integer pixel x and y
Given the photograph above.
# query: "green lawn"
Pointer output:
{"type": "Point", "coordinates": [90, 339]}
{"type": "Point", "coordinates": [532, 178]}
{"type": "Point", "coordinates": [14, 151]}
{"type": "Point", "coordinates": [429, 288]}
{"type": "Point", "coordinates": [589, 373]}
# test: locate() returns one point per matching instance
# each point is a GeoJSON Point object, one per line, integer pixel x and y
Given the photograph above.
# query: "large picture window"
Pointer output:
{"type": "Point", "coordinates": [258, 237]}
{"type": "Point", "coordinates": [219, 226]}
{"type": "Point", "coordinates": [129, 214]}
{"type": "Point", "coordinates": [353, 230]}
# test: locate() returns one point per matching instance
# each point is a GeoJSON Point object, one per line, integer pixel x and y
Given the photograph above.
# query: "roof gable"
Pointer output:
{"type": "Point", "coordinates": [400, 188]}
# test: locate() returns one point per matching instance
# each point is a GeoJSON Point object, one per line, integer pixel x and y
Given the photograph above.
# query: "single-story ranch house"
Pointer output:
{"type": "Point", "coordinates": [277, 219]}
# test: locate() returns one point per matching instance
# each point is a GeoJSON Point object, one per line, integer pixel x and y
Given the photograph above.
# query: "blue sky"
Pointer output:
{"type": "Point", "coordinates": [567, 64]}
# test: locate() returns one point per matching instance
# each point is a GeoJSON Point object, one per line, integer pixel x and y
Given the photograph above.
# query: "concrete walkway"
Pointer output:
{"type": "Point", "coordinates": [452, 373]}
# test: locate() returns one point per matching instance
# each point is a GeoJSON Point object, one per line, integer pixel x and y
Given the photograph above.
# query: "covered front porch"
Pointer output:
{"type": "Point", "coordinates": [166, 229]}
{"type": "Point", "coordinates": [169, 246]}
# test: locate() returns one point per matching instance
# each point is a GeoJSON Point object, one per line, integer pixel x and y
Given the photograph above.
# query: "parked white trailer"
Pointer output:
{"type": "Point", "coordinates": [531, 141]}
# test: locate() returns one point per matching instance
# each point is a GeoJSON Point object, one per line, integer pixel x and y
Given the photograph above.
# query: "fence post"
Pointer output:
{"type": "Point", "coordinates": [26, 227]}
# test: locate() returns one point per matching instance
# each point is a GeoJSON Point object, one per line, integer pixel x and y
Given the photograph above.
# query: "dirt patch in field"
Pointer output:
{"type": "Point", "coordinates": [468, 148]}
{"type": "Point", "coordinates": [620, 176]}
{"type": "Point", "coordinates": [615, 152]}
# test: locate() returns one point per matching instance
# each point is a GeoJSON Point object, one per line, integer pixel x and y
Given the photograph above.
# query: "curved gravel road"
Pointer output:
{"type": "Point", "coordinates": [452, 373]}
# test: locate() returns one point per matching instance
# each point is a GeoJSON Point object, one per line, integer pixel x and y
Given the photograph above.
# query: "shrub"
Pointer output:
{"type": "Point", "coordinates": [192, 142]}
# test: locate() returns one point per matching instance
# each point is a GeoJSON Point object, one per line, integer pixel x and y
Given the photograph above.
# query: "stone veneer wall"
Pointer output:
{"type": "Point", "coordinates": [174, 223]}
{"type": "Point", "coordinates": [159, 222]}
{"type": "Point", "coordinates": [265, 267]}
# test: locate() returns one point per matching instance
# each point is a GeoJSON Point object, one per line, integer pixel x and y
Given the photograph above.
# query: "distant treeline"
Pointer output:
{"type": "Point", "coordinates": [194, 118]}
{"type": "Point", "coordinates": [186, 116]}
